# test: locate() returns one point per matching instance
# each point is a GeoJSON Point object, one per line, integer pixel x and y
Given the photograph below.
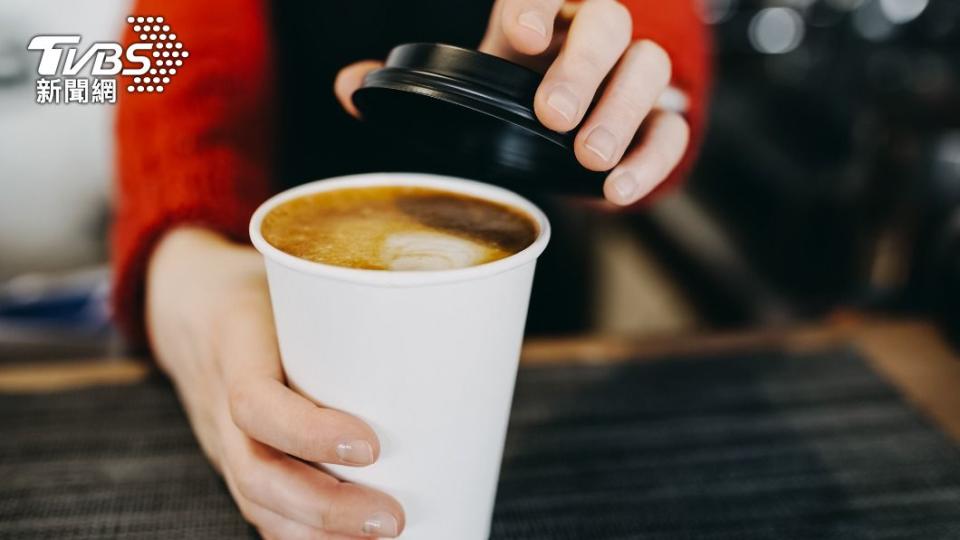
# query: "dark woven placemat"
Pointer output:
{"type": "Point", "coordinates": [749, 446]}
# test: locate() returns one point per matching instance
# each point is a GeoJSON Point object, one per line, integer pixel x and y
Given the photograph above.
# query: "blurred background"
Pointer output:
{"type": "Point", "coordinates": [56, 166]}
{"type": "Point", "coordinates": [830, 178]}
{"type": "Point", "coordinates": [831, 171]}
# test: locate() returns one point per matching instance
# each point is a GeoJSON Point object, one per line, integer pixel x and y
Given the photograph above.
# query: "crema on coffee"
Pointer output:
{"type": "Point", "coordinates": [397, 228]}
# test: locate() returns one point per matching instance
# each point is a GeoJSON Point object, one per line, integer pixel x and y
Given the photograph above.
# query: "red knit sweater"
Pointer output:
{"type": "Point", "coordinates": [198, 153]}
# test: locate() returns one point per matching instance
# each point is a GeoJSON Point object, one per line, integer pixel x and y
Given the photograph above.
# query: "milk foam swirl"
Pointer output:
{"type": "Point", "coordinates": [430, 251]}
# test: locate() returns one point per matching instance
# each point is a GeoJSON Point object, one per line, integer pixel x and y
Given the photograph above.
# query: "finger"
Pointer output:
{"type": "Point", "coordinates": [599, 34]}
{"type": "Point", "coordinates": [271, 413]}
{"type": "Point", "coordinates": [308, 496]}
{"type": "Point", "coordinates": [640, 78]}
{"type": "Point", "coordinates": [269, 524]}
{"type": "Point", "coordinates": [267, 410]}
{"type": "Point", "coordinates": [349, 79]}
{"type": "Point", "coordinates": [273, 526]}
{"type": "Point", "coordinates": [521, 26]}
{"type": "Point", "coordinates": [659, 150]}
{"type": "Point", "coordinates": [277, 527]}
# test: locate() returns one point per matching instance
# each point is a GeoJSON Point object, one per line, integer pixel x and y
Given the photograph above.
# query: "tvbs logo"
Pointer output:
{"type": "Point", "coordinates": [107, 57]}
{"type": "Point", "coordinates": [152, 61]}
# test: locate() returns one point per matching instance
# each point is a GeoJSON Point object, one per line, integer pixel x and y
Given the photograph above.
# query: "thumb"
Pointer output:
{"type": "Point", "coordinates": [349, 79]}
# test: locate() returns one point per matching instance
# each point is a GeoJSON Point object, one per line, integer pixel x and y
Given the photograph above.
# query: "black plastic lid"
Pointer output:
{"type": "Point", "coordinates": [472, 114]}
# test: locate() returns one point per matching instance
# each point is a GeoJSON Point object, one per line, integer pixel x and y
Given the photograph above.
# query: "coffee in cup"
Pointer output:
{"type": "Point", "coordinates": [398, 228]}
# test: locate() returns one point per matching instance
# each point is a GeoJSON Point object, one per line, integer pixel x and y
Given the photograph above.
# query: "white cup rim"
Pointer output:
{"type": "Point", "coordinates": [406, 278]}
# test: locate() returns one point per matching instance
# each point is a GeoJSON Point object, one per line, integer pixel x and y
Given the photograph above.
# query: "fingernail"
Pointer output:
{"type": "Point", "coordinates": [532, 20]}
{"type": "Point", "coordinates": [625, 186]}
{"type": "Point", "coordinates": [602, 142]}
{"type": "Point", "coordinates": [355, 452]}
{"type": "Point", "coordinates": [381, 524]}
{"type": "Point", "coordinates": [565, 102]}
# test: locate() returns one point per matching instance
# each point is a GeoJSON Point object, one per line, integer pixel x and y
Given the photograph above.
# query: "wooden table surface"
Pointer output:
{"type": "Point", "coordinates": [911, 354]}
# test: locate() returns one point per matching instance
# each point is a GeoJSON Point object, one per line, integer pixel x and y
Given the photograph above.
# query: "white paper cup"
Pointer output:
{"type": "Point", "coordinates": [427, 358]}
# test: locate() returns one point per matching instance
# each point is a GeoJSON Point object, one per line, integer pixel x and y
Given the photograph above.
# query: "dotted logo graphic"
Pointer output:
{"type": "Point", "coordinates": [166, 59]}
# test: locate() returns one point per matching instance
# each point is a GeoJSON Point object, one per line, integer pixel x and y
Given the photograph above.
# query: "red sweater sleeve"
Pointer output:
{"type": "Point", "coordinates": [676, 26]}
{"type": "Point", "coordinates": [200, 151]}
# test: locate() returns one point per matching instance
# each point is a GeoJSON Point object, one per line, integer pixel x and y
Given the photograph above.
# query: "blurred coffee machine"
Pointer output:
{"type": "Point", "coordinates": [832, 162]}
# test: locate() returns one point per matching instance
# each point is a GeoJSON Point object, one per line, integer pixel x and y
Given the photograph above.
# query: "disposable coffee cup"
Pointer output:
{"type": "Point", "coordinates": [427, 358]}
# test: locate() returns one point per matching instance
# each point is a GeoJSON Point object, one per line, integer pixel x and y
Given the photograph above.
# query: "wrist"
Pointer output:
{"type": "Point", "coordinates": [195, 278]}
{"type": "Point", "coordinates": [175, 309]}
{"type": "Point", "coordinates": [184, 239]}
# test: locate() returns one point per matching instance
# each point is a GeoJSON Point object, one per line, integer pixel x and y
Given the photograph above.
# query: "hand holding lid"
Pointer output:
{"type": "Point", "coordinates": [587, 125]}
